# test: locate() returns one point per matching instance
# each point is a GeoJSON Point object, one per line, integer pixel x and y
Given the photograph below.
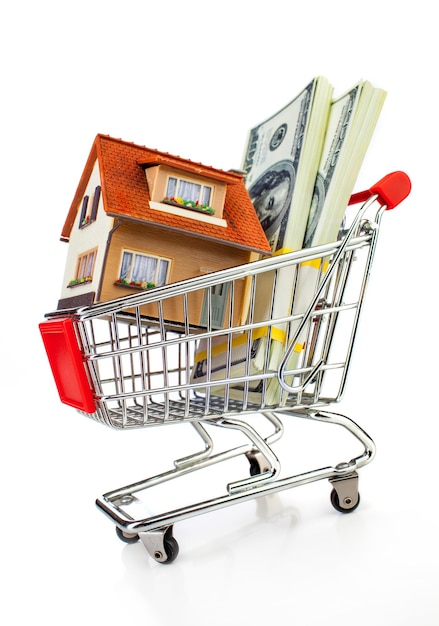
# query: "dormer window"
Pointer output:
{"type": "Point", "coordinates": [195, 197]}
{"type": "Point", "coordinates": [89, 209]}
{"type": "Point", "coordinates": [188, 193]}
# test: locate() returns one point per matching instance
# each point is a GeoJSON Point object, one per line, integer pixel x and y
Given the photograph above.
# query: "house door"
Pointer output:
{"type": "Point", "coordinates": [218, 301]}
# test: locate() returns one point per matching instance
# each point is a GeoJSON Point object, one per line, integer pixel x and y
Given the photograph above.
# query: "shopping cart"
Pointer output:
{"type": "Point", "coordinates": [129, 369]}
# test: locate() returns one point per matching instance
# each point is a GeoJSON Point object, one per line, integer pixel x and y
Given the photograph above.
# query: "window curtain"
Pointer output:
{"type": "Point", "coordinates": [171, 188]}
{"type": "Point", "coordinates": [189, 191]}
{"type": "Point", "coordinates": [89, 264]}
{"type": "Point", "coordinates": [143, 269]}
{"type": "Point", "coordinates": [82, 265]}
{"type": "Point", "coordinates": [205, 198]}
{"type": "Point", "coordinates": [126, 264]}
{"type": "Point", "coordinates": [162, 273]}
{"type": "Point", "coordinates": [85, 265]}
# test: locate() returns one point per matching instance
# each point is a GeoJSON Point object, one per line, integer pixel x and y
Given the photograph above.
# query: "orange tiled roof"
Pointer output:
{"type": "Point", "coordinates": [125, 194]}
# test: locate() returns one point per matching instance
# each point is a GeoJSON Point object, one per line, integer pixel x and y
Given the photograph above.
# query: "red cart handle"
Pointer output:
{"type": "Point", "coordinates": [391, 190]}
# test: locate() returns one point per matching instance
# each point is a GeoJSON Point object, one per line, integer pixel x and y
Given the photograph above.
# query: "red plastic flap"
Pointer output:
{"type": "Point", "coordinates": [67, 364]}
{"type": "Point", "coordinates": [391, 190]}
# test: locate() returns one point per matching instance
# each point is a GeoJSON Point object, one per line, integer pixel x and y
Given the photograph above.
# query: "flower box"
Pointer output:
{"type": "Point", "coordinates": [191, 205]}
{"type": "Point", "coordinates": [76, 282]}
{"type": "Point", "coordinates": [134, 284]}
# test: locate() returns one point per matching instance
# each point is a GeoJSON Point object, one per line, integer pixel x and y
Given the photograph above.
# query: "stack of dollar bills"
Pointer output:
{"type": "Point", "coordinates": [300, 165]}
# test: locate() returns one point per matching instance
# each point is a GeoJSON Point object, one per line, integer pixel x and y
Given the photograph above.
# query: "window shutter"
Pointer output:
{"type": "Point", "coordinates": [83, 210]}
{"type": "Point", "coordinates": [94, 208]}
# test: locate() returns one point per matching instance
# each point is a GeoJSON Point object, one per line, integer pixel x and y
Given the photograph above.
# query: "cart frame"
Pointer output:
{"type": "Point", "coordinates": [126, 379]}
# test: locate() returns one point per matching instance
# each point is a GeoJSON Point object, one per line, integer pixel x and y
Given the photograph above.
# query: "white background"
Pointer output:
{"type": "Point", "coordinates": [190, 78]}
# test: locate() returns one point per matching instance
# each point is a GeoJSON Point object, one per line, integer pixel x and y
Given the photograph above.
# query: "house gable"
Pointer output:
{"type": "Point", "coordinates": [87, 240]}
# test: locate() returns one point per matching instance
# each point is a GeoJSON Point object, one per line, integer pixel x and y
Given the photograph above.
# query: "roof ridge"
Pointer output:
{"type": "Point", "coordinates": [232, 174]}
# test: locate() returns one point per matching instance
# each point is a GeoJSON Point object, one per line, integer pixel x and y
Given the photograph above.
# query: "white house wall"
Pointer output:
{"type": "Point", "coordinates": [87, 238]}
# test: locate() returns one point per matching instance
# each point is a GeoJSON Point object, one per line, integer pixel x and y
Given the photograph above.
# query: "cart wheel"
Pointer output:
{"type": "Point", "coordinates": [171, 547]}
{"type": "Point", "coordinates": [126, 537]}
{"type": "Point", "coordinates": [160, 544]}
{"type": "Point", "coordinates": [165, 552]}
{"type": "Point", "coordinates": [335, 501]}
{"type": "Point", "coordinates": [255, 468]}
{"type": "Point", "coordinates": [257, 464]}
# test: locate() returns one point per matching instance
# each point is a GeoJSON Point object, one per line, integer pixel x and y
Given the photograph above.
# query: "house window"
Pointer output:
{"type": "Point", "coordinates": [142, 270]}
{"type": "Point", "coordinates": [89, 209]}
{"type": "Point", "coordinates": [188, 191]}
{"type": "Point", "coordinates": [84, 268]}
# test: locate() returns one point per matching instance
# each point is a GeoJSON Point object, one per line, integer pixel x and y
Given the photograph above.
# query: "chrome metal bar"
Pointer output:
{"type": "Point", "coordinates": [197, 456]}
{"type": "Point", "coordinates": [201, 460]}
{"type": "Point", "coordinates": [141, 368]}
{"type": "Point", "coordinates": [215, 278]}
{"type": "Point", "coordinates": [340, 470]}
{"type": "Point", "coordinates": [312, 305]}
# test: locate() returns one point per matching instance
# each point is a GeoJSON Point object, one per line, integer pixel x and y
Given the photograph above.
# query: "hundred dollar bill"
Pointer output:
{"type": "Point", "coordinates": [351, 124]}
{"type": "Point", "coordinates": [349, 129]}
{"type": "Point", "coordinates": [280, 162]}
{"type": "Point", "coordinates": [339, 124]}
{"type": "Point", "coordinates": [287, 147]}
{"type": "Point", "coordinates": [352, 121]}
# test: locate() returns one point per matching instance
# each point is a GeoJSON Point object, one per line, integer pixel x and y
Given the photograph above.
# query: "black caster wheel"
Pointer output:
{"type": "Point", "coordinates": [255, 468]}
{"type": "Point", "coordinates": [171, 548]}
{"type": "Point", "coordinates": [126, 537]}
{"type": "Point", "coordinates": [343, 507]}
{"type": "Point", "coordinates": [258, 464]}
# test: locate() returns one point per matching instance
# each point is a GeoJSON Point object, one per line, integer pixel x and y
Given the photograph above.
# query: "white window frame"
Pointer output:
{"type": "Point", "coordinates": [129, 275]}
{"type": "Point", "coordinates": [179, 181]}
{"type": "Point", "coordinates": [86, 261]}
{"type": "Point", "coordinates": [85, 264]}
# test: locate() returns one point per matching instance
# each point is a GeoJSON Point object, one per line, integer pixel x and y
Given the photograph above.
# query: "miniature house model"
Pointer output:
{"type": "Point", "coordinates": [142, 218]}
